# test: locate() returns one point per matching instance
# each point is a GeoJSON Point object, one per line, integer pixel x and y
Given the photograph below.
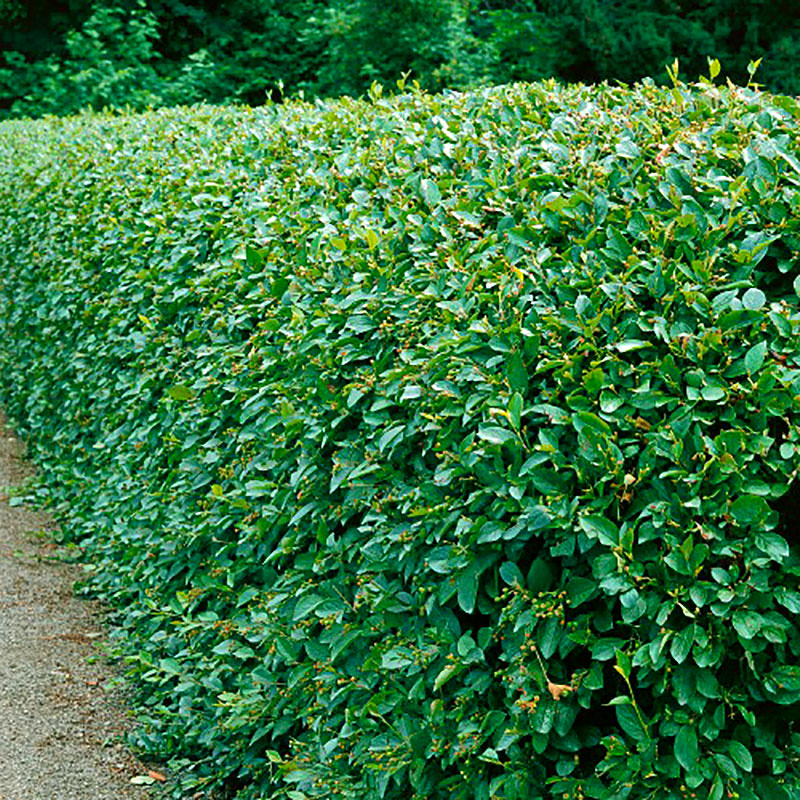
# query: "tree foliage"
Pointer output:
{"type": "Point", "coordinates": [168, 52]}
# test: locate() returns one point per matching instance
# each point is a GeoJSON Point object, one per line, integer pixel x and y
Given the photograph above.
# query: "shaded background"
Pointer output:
{"type": "Point", "coordinates": [58, 56]}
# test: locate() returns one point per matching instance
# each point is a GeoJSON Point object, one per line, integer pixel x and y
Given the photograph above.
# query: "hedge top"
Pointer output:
{"type": "Point", "coordinates": [440, 447]}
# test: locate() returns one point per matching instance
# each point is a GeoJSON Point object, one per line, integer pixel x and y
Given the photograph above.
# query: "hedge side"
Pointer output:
{"type": "Point", "coordinates": [434, 447]}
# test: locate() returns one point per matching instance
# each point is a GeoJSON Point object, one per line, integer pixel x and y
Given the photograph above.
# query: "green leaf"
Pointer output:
{"type": "Point", "coordinates": [536, 519]}
{"type": "Point", "coordinates": [685, 748]}
{"type": "Point", "coordinates": [585, 420]}
{"type": "Point", "coordinates": [754, 299]}
{"type": "Point", "coordinates": [754, 357]}
{"type": "Point", "coordinates": [623, 666]}
{"type": "Point", "coordinates": [397, 658]}
{"type": "Point", "coordinates": [630, 345]}
{"type": "Point", "coordinates": [170, 665]}
{"type": "Point", "coordinates": [516, 373]}
{"type": "Point", "coordinates": [600, 528]}
{"type": "Point", "coordinates": [593, 380]}
{"type": "Point", "coordinates": [629, 721]}
{"type": "Point", "coordinates": [786, 677]}
{"type": "Point", "coordinates": [712, 393]}
{"type": "Point", "coordinates": [579, 590]}
{"type": "Point", "coordinates": [620, 700]}
{"type": "Point", "coordinates": [467, 587]}
{"type": "Point", "coordinates": [372, 239]}
{"type": "Point", "coordinates": [717, 788]}
{"type": "Point", "coordinates": [253, 257]}
{"type": "Point", "coordinates": [511, 574]}
{"type": "Point", "coordinates": [280, 285]}
{"type": "Point", "coordinates": [555, 414]}
{"type": "Point", "coordinates": [390, 437]}
{"type": "Point", "coordinates": [788, 599]}
{"type": "Point", "coordinates": [773, 545]}
{"type": "Point", "coordinates": [444, 676]}
{"type": "Point", "coordinates": [180, 392]}
{"type": "Point", "coordinates": [495, 435]}
{"type": "Point", "coordinates": [548, 637]}
{"type": "Point", "coordinates": [681, 644]}
{"type": "Point", "coordinates": [610, 402]}
{"type": "Point", "coordinates": [740, 755]}
{"type": "Point", "coordinates": [747, 623]}
{"type": "Point", "coordinates": [430, 192]}
{"type": "Point", "coordinates": [749, 509]}
{"type": "Point", "coordinates": [627, 149]}
{"type": "Point", "coordinates": [540, 576]}
{"type": "Point", "coordinates": [767, 788]}
{"type": "Point", "coordinates": [515, 410]}
{"type": "Point", "coordinates": [605, 649]}
{"type": "Point", "coordinates": [306, 605]}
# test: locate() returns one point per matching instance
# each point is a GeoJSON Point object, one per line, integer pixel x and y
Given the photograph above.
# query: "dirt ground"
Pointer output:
{"type": "Point", "coordinates": [61, 720]}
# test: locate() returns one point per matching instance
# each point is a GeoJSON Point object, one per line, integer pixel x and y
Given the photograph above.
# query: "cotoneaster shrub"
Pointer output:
{"type": "Point", "coordinates": [435, 447]}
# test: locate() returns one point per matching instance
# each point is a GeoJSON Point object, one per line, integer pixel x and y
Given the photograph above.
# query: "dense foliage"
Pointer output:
{"type": "Point", "coordinates": [59, 56]}
{"type": "Point", "coordinates": [437, 446]}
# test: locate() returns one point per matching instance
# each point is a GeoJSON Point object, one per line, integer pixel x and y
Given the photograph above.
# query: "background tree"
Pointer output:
{"type": "Point", "coordinates": [367, 40]}
{"type": "Point", "coordinates": [57, 56]}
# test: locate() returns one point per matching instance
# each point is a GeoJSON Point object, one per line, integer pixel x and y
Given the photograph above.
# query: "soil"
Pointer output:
{"type": "Point", "coordinates": [62, 711]}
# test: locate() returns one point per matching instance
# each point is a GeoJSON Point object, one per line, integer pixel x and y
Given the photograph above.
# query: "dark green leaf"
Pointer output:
{"type": "Point", "coordinates": [749, 509]}
{"type": "Point", "coordinates": [740, 755]}
{"type": "Point", "coordinates": [467, 586]}
{"type": "Point", "coordinates": [516, 373]}
{"type": "Point", "coordinates": [579, 590]}
{"type": "Point", "coordinates": [511, 574]}
{"type": "Point", "coordinates": [747, 623]}
{"type": "Point", "coordinates": [630, 723]}
{"type": "Point", "coordinates": [685, 748]}
{"type": "Point", "coordinates": [515, 410]}
{"type": "Point", "coordinates": [600, 528]}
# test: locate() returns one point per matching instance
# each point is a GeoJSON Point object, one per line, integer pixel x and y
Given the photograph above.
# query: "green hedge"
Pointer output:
{"type": "Point", "coordinates": [435, 447]}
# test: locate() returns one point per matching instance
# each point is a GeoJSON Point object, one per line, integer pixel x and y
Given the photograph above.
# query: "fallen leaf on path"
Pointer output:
{"type": "Point", "coordinates": [143, 780]}
{"type": "Point", "coordinates": [156, 776]}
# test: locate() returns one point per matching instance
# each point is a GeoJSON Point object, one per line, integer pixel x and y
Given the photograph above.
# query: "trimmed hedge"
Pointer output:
{"type": "Point", "coordinates": [433, 447]}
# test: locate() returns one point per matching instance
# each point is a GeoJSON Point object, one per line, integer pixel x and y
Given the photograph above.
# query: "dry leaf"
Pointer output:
{"type": "Point", "coordinates": [156, 776]}
{"type": "Point", "coordinates": [557, 689]}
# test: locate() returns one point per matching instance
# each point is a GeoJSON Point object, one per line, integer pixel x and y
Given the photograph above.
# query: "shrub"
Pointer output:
{"type": "Point", "coordinates": [437, 447]}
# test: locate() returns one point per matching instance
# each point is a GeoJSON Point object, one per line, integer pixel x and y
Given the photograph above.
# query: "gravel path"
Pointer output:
{"type": "Point", "coordinates": [60, 722]}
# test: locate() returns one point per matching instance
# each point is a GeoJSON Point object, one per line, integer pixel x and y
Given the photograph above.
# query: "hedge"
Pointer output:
{"type": "Point", "coordinates": [434, 447]}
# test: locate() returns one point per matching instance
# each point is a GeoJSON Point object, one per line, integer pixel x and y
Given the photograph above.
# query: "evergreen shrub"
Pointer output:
{"type": "Point", "coordinates": [430, 446]}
